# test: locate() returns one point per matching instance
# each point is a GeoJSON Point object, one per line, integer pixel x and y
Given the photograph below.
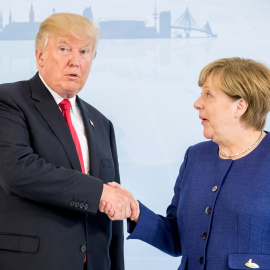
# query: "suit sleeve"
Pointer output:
{"type": "Point", "coordinates": [117, 242]}
{"type": "Point", "coordinates": [24, 174]}
{"type": "Point", "coordinates": [159, 231]}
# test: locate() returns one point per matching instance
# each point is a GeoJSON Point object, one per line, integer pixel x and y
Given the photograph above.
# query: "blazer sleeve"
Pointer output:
{"type": "Point", "coordinates": [159, 231]}
{"type": "Point", "coordinates": [24, 174]}
{"type": "Point", "coordinates": [117, 242]}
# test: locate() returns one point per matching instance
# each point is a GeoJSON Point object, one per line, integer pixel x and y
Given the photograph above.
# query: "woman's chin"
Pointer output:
{"type": "Point", "coordinates": [208, 135]}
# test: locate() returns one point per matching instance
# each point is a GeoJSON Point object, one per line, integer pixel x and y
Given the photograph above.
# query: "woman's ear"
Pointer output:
{"type": "Point", "coordinates": [241, 107]}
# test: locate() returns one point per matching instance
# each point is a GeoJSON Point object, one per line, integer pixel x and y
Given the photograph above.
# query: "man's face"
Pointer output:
{"type": "Point", "coordinates": [64, 64]}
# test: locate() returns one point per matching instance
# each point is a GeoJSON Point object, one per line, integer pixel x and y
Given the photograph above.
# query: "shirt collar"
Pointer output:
{"type": "Point", "coordinates": [59, 99]}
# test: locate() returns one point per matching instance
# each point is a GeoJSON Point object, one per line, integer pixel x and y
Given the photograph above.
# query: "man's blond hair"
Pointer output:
{"type": "Point", "coordinates": [61, 24]}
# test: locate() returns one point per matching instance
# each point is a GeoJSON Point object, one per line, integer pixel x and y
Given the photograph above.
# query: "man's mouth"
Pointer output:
{"type": "Point", "coordinates": [72, 76]}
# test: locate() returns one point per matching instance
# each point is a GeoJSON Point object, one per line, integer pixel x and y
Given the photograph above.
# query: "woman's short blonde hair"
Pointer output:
{"type": "Point", "coordinates": [242, 78]}
{"type": "Point", "coordinates": [61, 24]}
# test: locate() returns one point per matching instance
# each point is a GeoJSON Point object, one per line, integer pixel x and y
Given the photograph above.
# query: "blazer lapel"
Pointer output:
{"type": "Point", "coordinates": [91, 138]}
{"type": "Point", "coordinates": [48, 108]}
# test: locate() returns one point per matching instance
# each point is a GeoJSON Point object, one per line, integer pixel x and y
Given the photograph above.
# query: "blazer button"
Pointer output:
{"type": "Point", "coordinates": [214, 189]}
{"type": "Point", "coordinates": [72, 203]}
{"type": "Point", "coordinates": [208, 210]}
{"type": "Point", "coordinates": [204, 235]}
{"type": "Point", "coordinates": [83, 248]}
{"type": "Point", "coordinates": [82, 205]}
{"type": "Point", "coordinates": [201, 260]}
{"type": "Point", "coordinates": [77, 204]}
{"type": "Point", "coordinates": [86, 206]}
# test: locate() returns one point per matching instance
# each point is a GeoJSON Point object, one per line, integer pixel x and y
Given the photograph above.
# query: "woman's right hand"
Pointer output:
{"type": "Point", "coordinates": [107, 208]}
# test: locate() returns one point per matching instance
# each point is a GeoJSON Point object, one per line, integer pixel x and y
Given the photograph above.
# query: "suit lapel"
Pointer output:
{"type": "Point", "coordinates": [49, 110]}
{"type": "Point", "coordinates": [91, 138]}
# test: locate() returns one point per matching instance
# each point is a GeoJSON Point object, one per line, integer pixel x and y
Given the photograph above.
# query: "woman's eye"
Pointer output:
{"type": "Point", "coordinates": [84, 52]}
{"type": "Point", "coordinates": [208, 94]}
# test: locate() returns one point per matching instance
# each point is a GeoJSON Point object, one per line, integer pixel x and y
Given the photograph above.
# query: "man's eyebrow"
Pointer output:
{"type": "Point", "coordinates": [62, 41]}
{"type": "Point", "coordinates": [87, 44]}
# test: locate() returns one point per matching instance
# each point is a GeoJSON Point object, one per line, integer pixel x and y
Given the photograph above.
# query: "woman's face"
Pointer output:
{"type": "Point", "coordinates": [217, 112]}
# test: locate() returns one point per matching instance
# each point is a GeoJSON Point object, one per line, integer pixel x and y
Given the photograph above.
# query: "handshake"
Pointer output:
{"type": "Point", "coordinates": [118, 203]}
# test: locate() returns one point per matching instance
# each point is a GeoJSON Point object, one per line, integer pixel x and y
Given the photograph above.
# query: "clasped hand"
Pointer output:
{"type": "Point", "coordinates": [118, 203]}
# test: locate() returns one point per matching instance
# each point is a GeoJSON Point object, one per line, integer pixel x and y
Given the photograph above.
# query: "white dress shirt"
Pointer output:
{"type": "Point", "coordinates": [77, 121]}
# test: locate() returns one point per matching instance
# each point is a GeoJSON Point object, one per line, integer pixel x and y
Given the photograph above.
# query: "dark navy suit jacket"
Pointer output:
{"type": "Point", "coordinates": [49, 212]}
{"type": "Point", "coordinates": [219, 217]}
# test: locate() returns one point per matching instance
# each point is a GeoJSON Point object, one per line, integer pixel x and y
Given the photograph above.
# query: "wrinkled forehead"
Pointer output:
{"type": "Point", "coordinates": [68, 40]}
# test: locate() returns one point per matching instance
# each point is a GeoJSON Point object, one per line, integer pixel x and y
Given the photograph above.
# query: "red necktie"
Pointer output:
{"type": "Point", "coordinates": [65, 106]}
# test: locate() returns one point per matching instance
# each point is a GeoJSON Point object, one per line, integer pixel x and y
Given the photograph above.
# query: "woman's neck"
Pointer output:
{"type": "Point", "coordinates": [240, 143]}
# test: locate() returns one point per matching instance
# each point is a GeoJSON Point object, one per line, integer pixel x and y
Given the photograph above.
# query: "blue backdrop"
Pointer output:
{"type": "Point", "coordinates": [145, 79]}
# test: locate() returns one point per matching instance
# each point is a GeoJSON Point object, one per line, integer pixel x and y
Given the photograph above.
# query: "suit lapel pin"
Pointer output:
{"type": "Point", "coordinates": [250, 264]}
{"type": "Point", "coordinates": [91, 122]}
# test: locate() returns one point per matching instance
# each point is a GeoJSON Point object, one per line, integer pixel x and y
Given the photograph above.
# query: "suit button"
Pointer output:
{"type": "Point", "coordinates": [82, 205]}
{"type": "Point", "coordinates": [214, 189]}
{"type": "Point", "coordinates": [83, 248]}
{"type": "Point", "coordinates": [201, 260]}
{"type": "Point", "coordinates": [204, 235]}
{"type": "Point", "coordinates": [77, 204]}
{"type": "Point", "coordinates": [86, 206]}
{"type": "Point", "coordinates": [208, 210]}
{"type": "Point", "coordinates": [72, 203]}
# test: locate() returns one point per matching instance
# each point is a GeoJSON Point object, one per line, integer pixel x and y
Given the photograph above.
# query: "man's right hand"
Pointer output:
{"type": "Point", "coordinates": [118, 203]}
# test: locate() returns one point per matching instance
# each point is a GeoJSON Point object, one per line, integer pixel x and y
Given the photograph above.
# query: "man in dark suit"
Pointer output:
{"type": "Point", "coordinates": [55, 161]}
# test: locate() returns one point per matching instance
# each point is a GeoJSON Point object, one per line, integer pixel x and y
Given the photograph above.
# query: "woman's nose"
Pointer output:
{"type": "Point", "coordinates": [198, 104]}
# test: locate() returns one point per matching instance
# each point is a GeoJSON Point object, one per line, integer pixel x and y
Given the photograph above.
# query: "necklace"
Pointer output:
{"type": "Point", "coordinates": [230, 156]}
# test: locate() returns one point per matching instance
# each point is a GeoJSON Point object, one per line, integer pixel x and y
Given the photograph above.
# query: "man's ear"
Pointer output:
{"type": "Point", "coordinates": [39, 58]}
{"type": "Point", "coordinates": [241, 107]}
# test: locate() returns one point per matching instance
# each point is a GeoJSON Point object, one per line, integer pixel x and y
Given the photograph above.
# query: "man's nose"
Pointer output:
{"type": "Point", "coordinates": [74, 59]}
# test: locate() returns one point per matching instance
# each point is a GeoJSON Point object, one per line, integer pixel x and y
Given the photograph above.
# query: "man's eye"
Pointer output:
{"type": "Point", "coordinates": [208, 94]}
{"type": "Point", "coordinates": [63, 49]}
{"type": "Point", "coordinates": [84, 52]}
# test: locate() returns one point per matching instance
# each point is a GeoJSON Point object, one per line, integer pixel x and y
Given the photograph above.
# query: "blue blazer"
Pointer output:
{"type": "Point", "coordinates": [49, 214]}
{"type": "Point", "coordinates": [219, 217]}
